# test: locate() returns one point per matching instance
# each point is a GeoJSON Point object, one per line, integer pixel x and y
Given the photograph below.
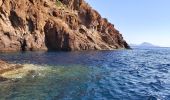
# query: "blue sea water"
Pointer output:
{"type": "Point", "coordinates": [138, 74]}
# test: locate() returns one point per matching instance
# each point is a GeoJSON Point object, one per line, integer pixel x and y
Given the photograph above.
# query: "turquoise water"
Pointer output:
{"type": "Point", "coordinates": [139, 74]}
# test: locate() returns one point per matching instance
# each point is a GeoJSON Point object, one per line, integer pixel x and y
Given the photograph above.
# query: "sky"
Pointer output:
{"type": "Point", "coordinates": [138, 20]}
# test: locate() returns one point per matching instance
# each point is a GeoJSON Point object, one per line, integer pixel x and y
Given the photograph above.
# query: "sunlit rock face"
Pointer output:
{"type": "Point", "coordinates": [55, 25]}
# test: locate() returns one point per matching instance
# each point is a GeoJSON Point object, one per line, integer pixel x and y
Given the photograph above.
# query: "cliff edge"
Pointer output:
{"type": "Point", "coordinates": [68, 25]}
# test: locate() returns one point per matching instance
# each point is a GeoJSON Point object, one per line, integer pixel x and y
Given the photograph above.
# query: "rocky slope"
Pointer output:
{"type": "Point", "coordinates": [55, 25]}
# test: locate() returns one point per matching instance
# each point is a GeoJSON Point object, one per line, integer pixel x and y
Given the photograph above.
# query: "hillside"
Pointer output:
{"type": "Point", "coordinates": [146, 44]}
{"type": "Point", "coordinates": [68, 25]}
{"type": "Point", "coordinates": [143, 45]}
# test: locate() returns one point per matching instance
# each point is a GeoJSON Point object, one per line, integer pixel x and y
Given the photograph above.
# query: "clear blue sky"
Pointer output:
{"type": "Point", "coordinates": [138, 20]}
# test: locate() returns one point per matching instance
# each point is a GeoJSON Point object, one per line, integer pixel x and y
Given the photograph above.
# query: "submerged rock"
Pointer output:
{"type": "Point", "coordinates": [3, 79]}
{"type": "Point", "coordinates": [23, 71]}
{"type": "Point", "coordinates": [5, 67]}
{"type": "Point", "coordinates": [14, 71]}
{"type": "Point", "coordinates": [55, 25]}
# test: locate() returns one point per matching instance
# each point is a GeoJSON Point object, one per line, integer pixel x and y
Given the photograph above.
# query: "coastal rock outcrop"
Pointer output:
{"type": "Point", "coordinates": [55, 25]}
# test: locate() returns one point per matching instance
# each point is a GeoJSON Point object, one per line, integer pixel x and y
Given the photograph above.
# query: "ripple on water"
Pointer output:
{"type": "Point", "coordinates": [139, 74]}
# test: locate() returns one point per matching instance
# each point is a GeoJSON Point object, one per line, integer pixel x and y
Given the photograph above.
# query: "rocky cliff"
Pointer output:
{"type": "Point", "coordinates": [55, 25]}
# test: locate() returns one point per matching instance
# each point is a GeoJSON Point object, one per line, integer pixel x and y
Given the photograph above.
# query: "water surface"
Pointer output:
{"type": "Point", "coordinates": [139, 74]}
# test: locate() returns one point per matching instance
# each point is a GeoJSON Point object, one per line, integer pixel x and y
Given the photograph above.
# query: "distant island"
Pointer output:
{"type": "Point", "coordinates": [144, 45]}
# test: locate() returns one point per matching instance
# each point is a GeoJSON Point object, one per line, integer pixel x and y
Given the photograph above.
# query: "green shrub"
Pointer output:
{"type": "Point", "coordinates": [58, 3]}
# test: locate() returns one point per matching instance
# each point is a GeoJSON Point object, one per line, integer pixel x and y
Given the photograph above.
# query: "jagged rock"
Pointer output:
{"type": "Point", "coordinates": [55, 25]}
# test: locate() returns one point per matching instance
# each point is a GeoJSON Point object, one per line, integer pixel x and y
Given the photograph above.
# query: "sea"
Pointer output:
{"type": "Point", "coordinates": [137, 74]}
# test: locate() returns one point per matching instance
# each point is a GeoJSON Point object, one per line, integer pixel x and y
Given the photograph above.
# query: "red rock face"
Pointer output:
{"type": "Point", "coordinates": [55, 25]}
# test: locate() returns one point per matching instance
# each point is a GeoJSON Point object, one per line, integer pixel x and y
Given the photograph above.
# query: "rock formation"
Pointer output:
{"type": "Point", "coordinates": [55, 25]}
